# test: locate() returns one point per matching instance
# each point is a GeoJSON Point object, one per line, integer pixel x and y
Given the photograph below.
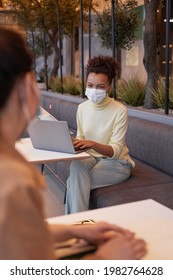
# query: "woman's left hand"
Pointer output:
{"type": "Point", "coordinates": [99, 232]}
{"type": "Point", "coordinates": [95, 234]}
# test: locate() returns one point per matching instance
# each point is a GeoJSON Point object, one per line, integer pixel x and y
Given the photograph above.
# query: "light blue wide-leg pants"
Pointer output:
{"type": "Point", "coordinates": [89, 174]}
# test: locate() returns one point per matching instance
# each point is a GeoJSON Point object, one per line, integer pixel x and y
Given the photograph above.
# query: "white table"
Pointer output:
{"type": "Point", "coordinates": [148, 219]}
{"type": "Point", "coordinates": [25, 147]}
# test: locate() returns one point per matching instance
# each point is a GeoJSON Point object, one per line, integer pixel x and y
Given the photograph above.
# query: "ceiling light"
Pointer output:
{"type": "Point", "coordinates": [171, 20]}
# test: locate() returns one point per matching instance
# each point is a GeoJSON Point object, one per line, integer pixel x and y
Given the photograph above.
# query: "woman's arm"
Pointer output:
{"type": "Point", "coordinates": [94, 234]}
{"type": "Point", "coordinates": [113, 242]}
{"type": "Point", "coordinates": [105, 150]}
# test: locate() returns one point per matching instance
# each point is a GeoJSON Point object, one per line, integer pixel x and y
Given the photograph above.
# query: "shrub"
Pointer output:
{"type": "Point", "coordinates": [132, 91]}
{"type": "Point", "coordinates": [71, 85]}
{"type": "Point", "coordinates": [55, 84]}
{"type": "Point", "coordinates": [158, 94]}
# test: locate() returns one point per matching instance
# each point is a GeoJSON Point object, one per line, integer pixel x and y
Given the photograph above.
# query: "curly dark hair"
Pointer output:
{"type": "Point", "coordinates": [103, 65]}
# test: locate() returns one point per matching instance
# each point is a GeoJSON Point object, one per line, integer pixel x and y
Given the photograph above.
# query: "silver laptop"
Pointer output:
{"type": "Point", "coordinates": [52, 135]}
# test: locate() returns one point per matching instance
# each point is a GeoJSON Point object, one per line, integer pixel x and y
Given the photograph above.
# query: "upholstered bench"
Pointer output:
{"type": "Point", "coordinates": [150, 145]}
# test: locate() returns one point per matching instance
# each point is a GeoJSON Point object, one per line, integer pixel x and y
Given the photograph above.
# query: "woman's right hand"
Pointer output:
{"type": "Point", "coordinates": [123, 247]}
{"type": "Point", "coordinates": [83, 144]}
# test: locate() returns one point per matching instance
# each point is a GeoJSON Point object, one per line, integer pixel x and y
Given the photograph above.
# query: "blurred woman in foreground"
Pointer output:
{"type": "Point", "coordinates": [24, 234]}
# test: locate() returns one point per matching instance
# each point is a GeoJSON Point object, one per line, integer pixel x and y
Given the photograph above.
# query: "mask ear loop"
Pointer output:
{"type": "Point", "coordinates": [24, 107]}
{"type": "Point", "coordinates": [36, 91]}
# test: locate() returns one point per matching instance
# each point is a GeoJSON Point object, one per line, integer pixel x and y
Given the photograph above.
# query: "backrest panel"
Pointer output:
{"type": "Point", "coordinates": [151, 142]}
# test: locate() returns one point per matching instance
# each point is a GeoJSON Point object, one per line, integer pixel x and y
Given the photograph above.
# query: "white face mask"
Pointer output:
{"type": "Point", "coordinates": [95, 95]}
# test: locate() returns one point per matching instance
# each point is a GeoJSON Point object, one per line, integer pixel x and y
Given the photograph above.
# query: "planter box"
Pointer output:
{"type": "Point", "coordinates": [142, 113]}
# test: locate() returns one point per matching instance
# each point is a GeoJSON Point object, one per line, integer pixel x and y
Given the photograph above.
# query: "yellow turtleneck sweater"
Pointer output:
{"type": "Point", "coordinates": [105, 123]}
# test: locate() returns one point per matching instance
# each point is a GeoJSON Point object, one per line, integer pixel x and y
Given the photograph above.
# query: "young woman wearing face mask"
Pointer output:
{"type": "Point", "coordinates": [101, 127]}
{"type": "Point", "coordinates": [24, 234]}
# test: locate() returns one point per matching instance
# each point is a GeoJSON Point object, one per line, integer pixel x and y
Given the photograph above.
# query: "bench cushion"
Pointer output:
{"type": "Point", "coordinates": [137, 187]}
{"type": "Point", "coordinates": [151, 142]}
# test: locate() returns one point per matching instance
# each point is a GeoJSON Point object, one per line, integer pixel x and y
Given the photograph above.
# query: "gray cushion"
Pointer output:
{"type": "Point", "coordinates": [62, 110]}
{"type": "Point", "coordinates": [142, 177]}
{"type": "Point", "coordinates": [163, 193]}
{"type": "Point", "coordinates": [151, 142]}
{"type": "Point", "coordinates": [68, 112]}
{"type": "Point", "coordinates": [49, 104]}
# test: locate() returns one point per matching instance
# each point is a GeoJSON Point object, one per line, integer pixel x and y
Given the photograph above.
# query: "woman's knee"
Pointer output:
{"type": "Point", "coordinates": [83, 164]}
{"type": "Point", "coordinates": [76, 165]}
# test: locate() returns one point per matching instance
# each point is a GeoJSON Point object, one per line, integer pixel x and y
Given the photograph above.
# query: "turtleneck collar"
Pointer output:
{"type": "Point", "coordinates": [106, 101]}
